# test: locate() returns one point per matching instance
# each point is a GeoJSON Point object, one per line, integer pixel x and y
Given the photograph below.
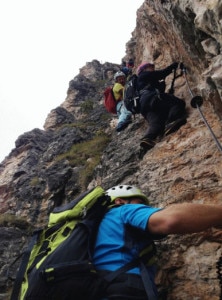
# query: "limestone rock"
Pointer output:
{"type": "Point", "coordinates": [79, 148]}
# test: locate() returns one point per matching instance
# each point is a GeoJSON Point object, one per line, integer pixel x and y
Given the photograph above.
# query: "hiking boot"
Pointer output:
{"type": "Point", "coordinates": [147, 143]}
{"type": "Point", "coordinates": [174, 126]}
{"type": "Point", "coordinates": [122, 126]}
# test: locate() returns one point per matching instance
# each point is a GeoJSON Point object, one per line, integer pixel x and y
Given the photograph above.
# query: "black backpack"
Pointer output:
{"type": "Point", "coordinates": [131, 95]}
{"type": "Point", "coordinates": [58, 261]}
{"type": "Point", "coordinates": [57, 264]}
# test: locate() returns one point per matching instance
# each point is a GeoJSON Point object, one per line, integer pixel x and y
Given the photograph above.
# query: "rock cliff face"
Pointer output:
{"type": "Point", "coordinates": [79, 148]}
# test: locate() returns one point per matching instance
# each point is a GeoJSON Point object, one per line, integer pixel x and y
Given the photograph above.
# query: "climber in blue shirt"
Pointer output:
{"type": "Point", "coordinates": [127, 231]}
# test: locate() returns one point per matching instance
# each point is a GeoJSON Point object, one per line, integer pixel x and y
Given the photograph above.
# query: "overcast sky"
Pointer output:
{"type": "Point", "coordinates": [44, 43]}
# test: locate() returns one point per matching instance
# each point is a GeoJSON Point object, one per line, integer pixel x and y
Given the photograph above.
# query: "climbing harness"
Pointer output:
{"type": "Point", "coordinates": [219, 274]}
{"type": "Point", "coordinates": [196, 102]}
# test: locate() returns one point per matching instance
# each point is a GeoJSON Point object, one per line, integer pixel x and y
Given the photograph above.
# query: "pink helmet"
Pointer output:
{"type": "Point", "coordinates": [143, 66]}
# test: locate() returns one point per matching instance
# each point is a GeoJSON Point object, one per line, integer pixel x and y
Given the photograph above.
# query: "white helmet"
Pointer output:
{"type": "Point", "coordinates": [126, 191]}
{"type": "Point", "coordinates": [119, 74]}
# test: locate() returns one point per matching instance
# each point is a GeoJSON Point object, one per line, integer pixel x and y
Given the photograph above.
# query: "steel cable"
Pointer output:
{"type": "Point", "coordinates": [196, 102]}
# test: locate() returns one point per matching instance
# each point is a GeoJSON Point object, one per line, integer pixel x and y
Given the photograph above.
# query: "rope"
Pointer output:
{"type": "Point", "coordinates": [175, 76]}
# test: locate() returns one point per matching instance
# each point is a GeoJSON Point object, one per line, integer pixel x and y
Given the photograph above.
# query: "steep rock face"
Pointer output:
{"type": "Point", "coordinates": [52, 166]}
{"type": "Point", "coordinates": [187, 31]}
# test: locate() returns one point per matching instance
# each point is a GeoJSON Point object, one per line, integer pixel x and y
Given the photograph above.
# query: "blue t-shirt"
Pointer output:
{"type": "Point", "coordinates": [108, 254]}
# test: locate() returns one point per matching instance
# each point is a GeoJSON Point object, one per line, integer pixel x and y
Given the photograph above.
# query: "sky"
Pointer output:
{"type": "Point", "coordinates": [44, 43]}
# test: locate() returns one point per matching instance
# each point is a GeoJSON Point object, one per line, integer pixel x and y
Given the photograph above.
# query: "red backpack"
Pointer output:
{"type": "Point", "coordinates": [109, 100]}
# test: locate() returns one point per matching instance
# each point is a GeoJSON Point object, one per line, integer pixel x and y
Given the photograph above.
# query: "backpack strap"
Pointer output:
{"type": "Point", "coordinates": [144, 273]}
{"type": "Point", "coordinates": [147, 282]}
{"type": "Point", "coordinates": [171, 90]}
{"type": "Point", "coordinates": [113, 274]}
{"type": "Point", "coordinates": [21, 272]}
{"type": "Point", "coordinates": [132, 237]}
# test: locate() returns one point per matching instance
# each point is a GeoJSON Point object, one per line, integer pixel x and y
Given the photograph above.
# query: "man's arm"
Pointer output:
{"type": "Point", "coordinates": [185, 218]}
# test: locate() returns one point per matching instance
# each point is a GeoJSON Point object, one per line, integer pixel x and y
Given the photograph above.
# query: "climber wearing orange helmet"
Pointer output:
{"type": "Point", "coordinates": [164, 112]}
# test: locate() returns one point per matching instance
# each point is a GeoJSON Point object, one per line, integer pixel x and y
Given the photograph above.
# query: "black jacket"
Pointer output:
{"type": "Point", "coordinates": [151, 79]}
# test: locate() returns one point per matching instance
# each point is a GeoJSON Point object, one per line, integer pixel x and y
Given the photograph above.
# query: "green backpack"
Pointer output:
{"type": "Point", "coordinates": [57, 264]}
{"type": "Point", "coordinates": [58, 261]}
